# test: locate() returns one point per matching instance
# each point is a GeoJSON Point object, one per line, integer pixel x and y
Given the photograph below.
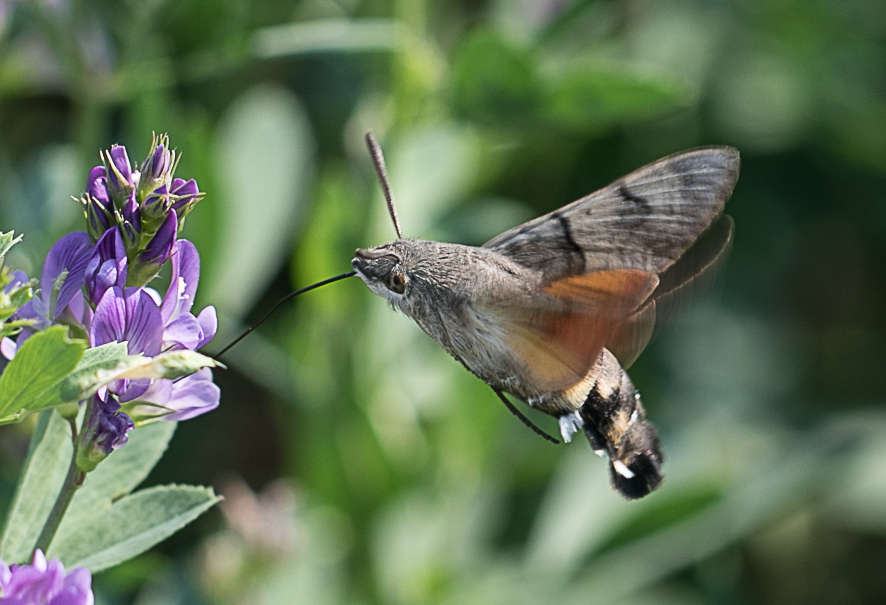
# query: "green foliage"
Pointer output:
{"type": "Point", "coordinates": [35, 378]}
{"type": "Point", "coordinates": [118, 475]}
{"type": "Point", "coordinates": [39, 482]}
{"type": "Point", "coordinates": [105, 523]}
{"type": "Point", "coordinates": [11, 298]}
{"type": "Point", "coordinates": [131, 525]}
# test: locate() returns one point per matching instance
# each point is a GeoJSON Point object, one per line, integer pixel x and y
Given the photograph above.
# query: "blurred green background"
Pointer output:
{"type": "Point", "coordinates": [360, 464]}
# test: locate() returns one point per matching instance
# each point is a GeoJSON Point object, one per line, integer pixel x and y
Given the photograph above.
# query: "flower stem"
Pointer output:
{"type": "Point", "coordinates": [73, 480]}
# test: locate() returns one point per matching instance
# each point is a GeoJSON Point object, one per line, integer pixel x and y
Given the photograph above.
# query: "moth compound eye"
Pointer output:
{"type": "Point", "coordinates": [396, 282]}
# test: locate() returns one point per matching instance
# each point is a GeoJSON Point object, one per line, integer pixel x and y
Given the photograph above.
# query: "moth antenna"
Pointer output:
{"type": "Point", "coordinates": [378, 160]}
{"type": "Point", "coordinates": [280, 302]}
{"type": "Point", "coordinates": [523, 418]}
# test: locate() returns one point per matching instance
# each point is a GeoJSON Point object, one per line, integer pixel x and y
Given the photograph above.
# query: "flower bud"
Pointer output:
{"type": "Point", "coordinates": [105, 431]}
{"type": "Point", "coordinates": [106, 266]}
{"type": "Point", "coordinates": [146, 266]}
{"type": "Point", "coordinates": [121, 181]}
{"type": "Point", "coordinates": [97, 205]}
{"type": "Point", "coordinates": [156, 203]}
{"type": "Point", "coordinates": [157, 167]}
{"type": "Point", "coordinates": [184, 195]}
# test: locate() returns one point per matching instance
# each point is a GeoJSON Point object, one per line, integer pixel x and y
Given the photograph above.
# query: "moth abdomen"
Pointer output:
{"type": "Point", "coordinates": [615, 422]}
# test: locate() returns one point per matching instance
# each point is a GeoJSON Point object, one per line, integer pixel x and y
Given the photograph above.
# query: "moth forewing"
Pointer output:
{"type": "Point", "coordinates": [645, 220]}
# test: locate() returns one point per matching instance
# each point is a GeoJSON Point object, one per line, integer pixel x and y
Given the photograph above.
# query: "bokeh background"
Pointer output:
{"type": "Point", "coordinates": [360, 464]}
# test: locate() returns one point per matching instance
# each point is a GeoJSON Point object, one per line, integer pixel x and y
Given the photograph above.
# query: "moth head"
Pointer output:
{"type": "Point", "coordinates": [383, 269]}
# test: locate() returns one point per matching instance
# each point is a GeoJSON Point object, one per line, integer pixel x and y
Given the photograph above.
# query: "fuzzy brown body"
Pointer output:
{"type": "Point", "coordinates": [463, 318]}
{"type": "Point", "coordinates": [552, 310]}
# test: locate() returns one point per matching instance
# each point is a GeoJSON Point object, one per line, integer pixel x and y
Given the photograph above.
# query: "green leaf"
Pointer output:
{"type": "Point", "coordinates": [328, 35]}
{"type": "Point", "coordinates": [131, 525]}
{"type": "Point", "coordinates": [494, 81]}
{"type": "Point", "coordinates": [168, 365]}
{"type": "Point", "coordinates": [265, 151]}
{"type": "Point", "coordinates": [33, 379]}
{"type": "Point", "coordinates": [84, 381]}
{"type": "Point", "coordinates": [118, 474]}
{"type": "Point", "coordinates": [7, 241]}
{"type": "Point", "coordinates": [593, 99]}
{"type": "Point", "coordinates": [110, 362]}
{"type": "Point", "coordinates": [40, 480]}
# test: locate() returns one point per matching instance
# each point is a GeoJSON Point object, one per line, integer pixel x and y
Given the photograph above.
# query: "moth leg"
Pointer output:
{"type": "Point", "coordinates": [523, 418]}
{"type": "Point", "coordinates": [570, 424]}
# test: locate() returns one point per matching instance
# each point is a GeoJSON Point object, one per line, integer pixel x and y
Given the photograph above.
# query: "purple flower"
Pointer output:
{"type": "Point", "coordinates": [133, 315]}
{"type": "Point", "coordinates": [70, 253]}
{"type": "Point", "coordinates": [42, 583]}
{"type": "Point", "coordinates": [128, 315]}
{"type": "Point", "coordinates": [181, 329]}
{"type": "Point", "coordinates": [106, 267]}
{"type": "Point", "coordinates": [106, 430]}
{"type": "Point", "coordinates": [147, 205]}
{"type": "Point", "coordinates": [60, 300]}
{"type": "Point", "coordinates": [184, 193]}
{"type": "Point", "coordinates": [178, 399]}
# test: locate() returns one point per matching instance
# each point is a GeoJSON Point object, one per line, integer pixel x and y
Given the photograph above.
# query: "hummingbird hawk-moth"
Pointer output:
{"type": "Point", "coordinates": [554, 310]}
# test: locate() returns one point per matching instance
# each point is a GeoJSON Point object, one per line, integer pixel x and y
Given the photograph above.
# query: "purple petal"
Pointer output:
{"type": "Point", "coordinates": [152, 403]}
{"type": "Point", "coordinates": [39, 560]}
{"type": "Point", "coordinates": [42, 583]}
{"type": "Point", "coordinates": [183, 283]}
{"type": "Point", "coordinates": [193, 395]}
{"type": "Point", "coordinates": [8, 348]}
{"type": "Point", "coordinates": [107, 428]}
{"type": "Point", "coordinates": [5, 574]}
{"type": "Point", "coordinates": [106, 266]}
{"type": "Point", "coordinates": [159, 393]}
{"type": "Point", "coordinates": [130, 315]}
{"type": "Point", "coordinates": [34, 309]}
{"type": "Point", "coordinates": [184, 192]}
{"type": "Point", "coordinates": [161, 245]}
{"type": "Point", "coordinates": [119, 169]}
{"type": "Point", "coordinates": [144, 325]}
{"type": "Point", "coordinates": [131, 213]}
{"type": "Point", "coordinates": [157, 164]}
{"type": "Point", "coordinates": [109, 321]}
{"type": "Point", "coordinates": [77, 589]}
{"type": "Point", "coordinates": [70, 253]}
{"type": "Point", "coordinates": [76, 312]}
{"type": "Point", "coordinates": [97, 185]}
{"type": "Point", "coordinates": [38, 582]}
{"type": "Point", "coordinates": [16, 279]}
{"type": "Point", "coordinates": [130, 388]}
{"type": "Point", "coordinates": [155, 203]}
{"type": "Point", "coordinates": [208, 320]}
{"type": "Point", "coordinates": [183, 333]}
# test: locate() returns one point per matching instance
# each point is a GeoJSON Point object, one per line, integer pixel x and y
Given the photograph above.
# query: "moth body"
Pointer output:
{"type": "Point", "coordinates": [554, 310]}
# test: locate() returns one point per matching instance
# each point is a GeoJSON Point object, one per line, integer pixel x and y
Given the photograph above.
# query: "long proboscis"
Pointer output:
{"type": "Point", "coordinates": [218, 355]}
{"type": "Point", "coordinates": [378, 160]}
